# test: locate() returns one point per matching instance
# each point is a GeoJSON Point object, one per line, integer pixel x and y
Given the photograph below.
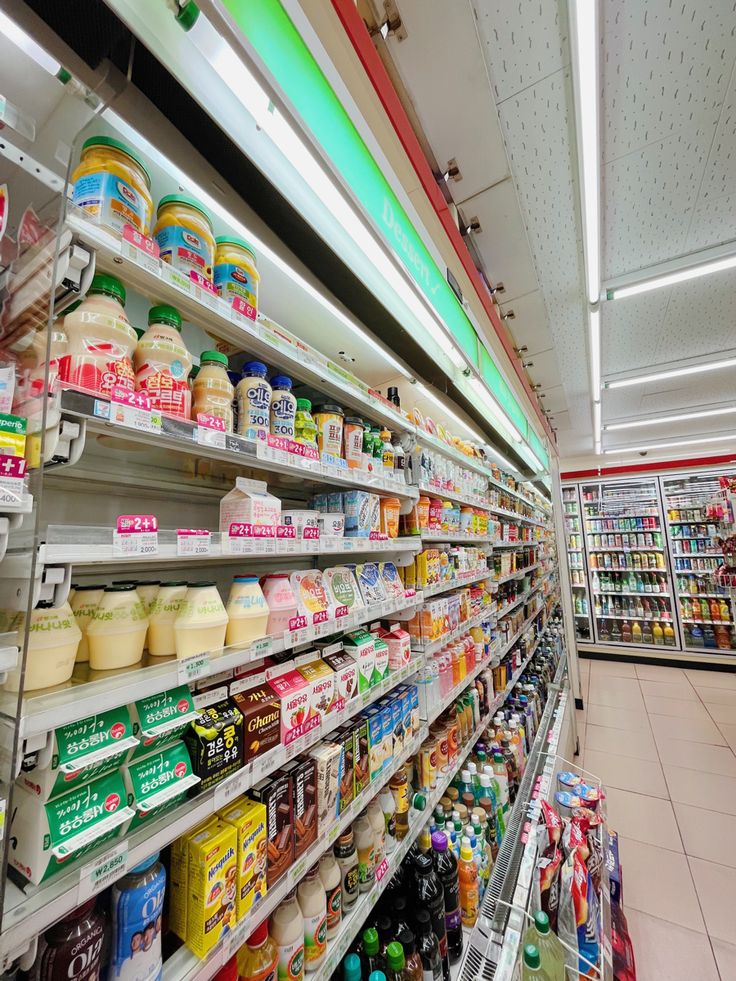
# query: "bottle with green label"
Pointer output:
{"type": "Point", "coordinates": [313, 904]}
{"type": "Point", "coordinates": [287, 931]}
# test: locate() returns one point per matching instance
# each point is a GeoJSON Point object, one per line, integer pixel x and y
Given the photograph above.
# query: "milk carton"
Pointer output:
{"type": "Point", "coordinates": [249, 503]}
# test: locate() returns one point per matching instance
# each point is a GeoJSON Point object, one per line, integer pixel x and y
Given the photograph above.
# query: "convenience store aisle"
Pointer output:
{"type": "Point", "coordinates": [663, 741]}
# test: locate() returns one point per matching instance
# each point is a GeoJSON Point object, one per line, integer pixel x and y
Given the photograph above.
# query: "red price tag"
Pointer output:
{"type": "Point", "coordinates": [205, 284]}
{"type": "Point", "coordinates": [341, 611]}
{"type": "Point", "coordinates": [278, 443]}
{"type": "Point", "coordinates": [136, 534]}
{"type": "Point", "coordinates": [381, 869]}
{"type": "Point", "coordinates": [310, 533]}
{"type": "Point", "coordinates": [211, 422]}
{"type": "Point", "coordinates": [13, 466]}
{"type": "Point", "coordinates": [142, 242]}
{"type": "Point", "coordinates": [239, 529]}
{"type": "Point", "coordinates": [377, 536]}
{"type": "Point", "coordinates": [297, 623]}
{"type": "Point", "coordinates": [134, 410]}
{"type": "Point", "coordinates": [244, 309]}
{"type": "Point", "coordinates": [320, 617]}
{"type": "Point", "coordinates": [286, 531]}
{"type": "Point", "coordinates": [136, 400]}
{"type": "Point", "coordinates": [128, 524]}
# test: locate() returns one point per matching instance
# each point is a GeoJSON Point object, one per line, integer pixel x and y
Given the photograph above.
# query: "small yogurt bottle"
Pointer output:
{"type": "Point", "coordinates": [201, 622]}
{"type": "Point", "coordinates": [117, 632]}
{"type": "Point", "coordinates": [283, 407]}
{"type": "Point", "coordinates": [254, 401]}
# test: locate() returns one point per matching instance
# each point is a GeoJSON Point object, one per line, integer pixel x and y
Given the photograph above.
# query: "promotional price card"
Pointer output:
{"type": "Point", "coordinates": [210, 431]}
{"type": "Point", "coordinates": [140, 249]}
{"type": "Point", "coordinates": [136, 534]}
{"type": "Point", "coordinates": [193, 541]}
{"type": "Point", "coordinates": [204, 290]}
{"type": "Point", "coordinates": [12, 479]}
{"type": "Point", "coordinates": [243, 309]}
{"type": "Point", "coordinates": [246, 539]}
{"type": "Point", "coordinates": [134, 410]}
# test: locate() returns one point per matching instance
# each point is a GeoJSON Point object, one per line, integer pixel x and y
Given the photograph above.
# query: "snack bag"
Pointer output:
{"type": "Point", "coordinates": [552, 825]}
{"type": "Point", "coordinates": [574, 837]}
{"type": "Point", "coordinates": [578, 917]}
{"type": "Point", "coordinates": [547, 886]}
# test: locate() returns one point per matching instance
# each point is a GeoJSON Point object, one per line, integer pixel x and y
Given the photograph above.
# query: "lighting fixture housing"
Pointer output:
{"type": "Point", "coordinates": [693, 369]}
{"type": "Point", "coordinates": [678, 417]}
{"type": "Point", "coordinates": [672, 445]}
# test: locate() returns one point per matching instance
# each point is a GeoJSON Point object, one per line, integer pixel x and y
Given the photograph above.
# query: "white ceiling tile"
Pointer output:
{"type": "Point", "coordinates": [665, 68]}
{"type": "Point", "coordinates": [545, 369]}
{"type": "Point", "coordinates": [502, 240]}
{"type": "Point", "coordinates": [555, 399]}
{"type": "Point", "coordinates": [529, 326]}
{"type": "Point", "coordinates": [648, 197]}
{"type": "Point", "coordinates": [713, 220]}
{"type": "Point", "coordinates": [442, 67]}
{"type": "Point", "coordinates": [630, 331]}
{"type": "Point", "coordinates": [720, 172]}
{"type": "Point", "coordinates": [524, 41]}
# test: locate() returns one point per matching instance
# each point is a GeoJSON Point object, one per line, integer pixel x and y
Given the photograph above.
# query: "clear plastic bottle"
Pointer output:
{"type": "Point", "coordinates": [137, 904]}
{"type": "Point", "coordinates": [347, 859]}
{"type": "Point", "coordinates": [329, 873]}
{"type": "Point", "coordinates": [551, 951]}
{"type": "Point", "coordinates": [283, 407]}
{"type": "Point", "coordinates": [429, 950]}
{"type": "Point", "coordinates": [365, 842]}
{"type": "Point", "coordinates": [305, 428]}
{"type": "Point", "coordinates": [212, 390]}
{"type": "Point", "coordinates": [412, 960]}
{"type": "Point", "coordinates": [254, 401]}
{"type": "Point", "coordinates": [445, 865]}
{"type": "Point", "coordinates": [313, 904]}
{"type": "Point", "coordinates": [467, 874]}
{"type": "Point", "coordinates": [258, 958]}
{"type": "Point", "coordinates": [72, 949]}
{"type": "Point", "coordinates": [388, 808]}
{"type": "Point", "coordinates": [372, 959]}
{"type": "Point", "coordinates": [395, 963]}
{"type": "Point", "coordinates": [287, 930]}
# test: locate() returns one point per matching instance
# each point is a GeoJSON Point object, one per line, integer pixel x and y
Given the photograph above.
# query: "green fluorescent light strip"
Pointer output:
{"type": "Point", "coordinates": [274, 37]}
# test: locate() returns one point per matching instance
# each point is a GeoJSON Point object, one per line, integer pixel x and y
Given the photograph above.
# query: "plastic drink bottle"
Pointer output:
{"type": "Point", "coordinates": [551, 951]}
{"type": "Point", "coordinates": [412, 960]}
{"type": "Point", "coordinates": [258, 958]}
{"type": "Point", "coordinates": [531, 968]}
{"type": "Point", "coordinates": [351, 968]}
{"type": "Point", "coordinates": [428, 947]}
{"type": "Point", "coordinates": [430, 894]}
{"type": "Point", "coordinates": [445, 865]}
{"type": "Point", "coordinates": [467, 875]}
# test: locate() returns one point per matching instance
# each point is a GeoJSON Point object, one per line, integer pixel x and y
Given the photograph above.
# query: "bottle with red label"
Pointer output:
{"type": "Point", "coordinates": [100, 340]}
{"type": "Point", "coordinates": [162, 363]}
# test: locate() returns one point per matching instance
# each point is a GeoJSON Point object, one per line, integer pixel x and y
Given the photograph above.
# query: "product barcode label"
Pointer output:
{"type": "Point", "coordinates": [102, 871]}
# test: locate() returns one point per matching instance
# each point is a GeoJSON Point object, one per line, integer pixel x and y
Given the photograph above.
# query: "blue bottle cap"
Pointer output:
{"type": "Point", "coordinates": [254, 368]}
{"type": "Point", "coordinates": [281, 381]}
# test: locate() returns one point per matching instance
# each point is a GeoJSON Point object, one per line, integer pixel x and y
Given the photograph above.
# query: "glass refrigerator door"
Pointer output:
{"type": "Point", "coordinates": [576, 563]}
{"type": "Point", "coordinates": [624, 541]}
{"type": "Point", "coordinates": [706, 607]}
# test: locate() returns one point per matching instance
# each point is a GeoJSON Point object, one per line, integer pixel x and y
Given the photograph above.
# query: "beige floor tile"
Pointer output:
{"type": "Point", "coordinates": [716, 888]}
{"type": "Point", "coordinates": [667, 952]}
{"type": "Point", "coordinates": [722, 713]}
{"type": "Point", "coordinates": [618, 669]}
{"type": "Point", "coordinates": [725, 959]}
{"type": "Point", "coordinates": [659, 672]}
{"type": "Point", "coordinates": [710, 790]}
{"type": "Point", "coordinates": [638, 744]}
{"type": "Point", "coordinates": [712, 679]}
{"type": "Point", "coordinates": [697, 756]}
{"type": "Point", "coordinates": [697, 730]}
{"type": "Point", "coordinates": [707, 834]}
{"type": "Point", "coordinates": [643, 818]}
{"type": "Point", "coordinates": [717, 696]}
{"type": "Point", "coordinates": [683, 708]}
{"type": "Point", "coordinates": [581, 716]}
{"type": "Point", "coordinates": [729, 734]}
{"type": "Point", "coordinates": [668, 689]}
{"type": "Point", "coordinates": [600, 694]}
{"type": "Point", "coordinates": [626, 773]}
{"type": "Point", "coordinates": [658, 881]}
{"type": "Point", "coordinates": [617, 718]}
{"type": "Point", "coordinates": [609, 682]}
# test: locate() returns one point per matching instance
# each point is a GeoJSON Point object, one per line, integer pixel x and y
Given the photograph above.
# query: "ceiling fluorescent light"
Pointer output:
{"type": "Point", "coordinates": [671, 279]}
{"type": "Point", "coordinates": [594, 327]}
{"type": "Point", "coordinates": [694, 369]}
{"type": "Point", "coordinates": [457, 357]}
{"type": "Point", "coordinates": [681, 417]}
{"type": "Point", "coordinates": [585, 46]}
{"type": "Point", "coordinates": [672, 445]}
{"type": "Point", "coordinates": [10, 30]}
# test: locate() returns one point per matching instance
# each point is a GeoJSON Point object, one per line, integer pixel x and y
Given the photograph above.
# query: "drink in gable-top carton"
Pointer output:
{"type": "Point", "coordinates": [249, 503]}
{"type": "Point", "coordinates": [293, 690]}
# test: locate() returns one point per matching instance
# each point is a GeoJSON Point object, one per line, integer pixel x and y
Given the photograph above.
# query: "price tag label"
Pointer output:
{"type": "Point", "coordinates": [12, 479]}
{"type": "Point", "coordinates": [136, 534]}
{"type": "Point", "coordinates": [381, 869]}
{"type": "Point", "coordinates": [242, 309]}
{"type": "Point", "coordinates": [189, 669]}
{"type": "Point", "coordinates": [332, 834]}
{"type": "Point", "coordinates": [298, 870]}
{"type": "Point", "coordinates": [193, 541]}
{"type": "Point", "coordinates": [228, 790]}
{"type": "Point", "coordinates": [141, 250]}
{"type": "Point", "coordinates": [176, 279]}
{"type": "Point", "coordinates": [261, 648]}
{"type": "Point", "coordinates": [210, 431]}
{"type": "Point", "coordinates": [102, 872]}
{"type": "Point", "coordinates": [204, 290]}
{"type": "Point", "coordinates": [134, 411]}
{"type": "Point", "coordinates": [341, 611]}
{"type": "Point", "coordinates": [310, 533]}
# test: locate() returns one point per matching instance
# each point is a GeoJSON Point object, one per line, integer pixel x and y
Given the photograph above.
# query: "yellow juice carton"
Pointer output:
{"type": "Point", "coordinates": [248, 817]}
{"type": "Point", "coordinates": [213, 889]}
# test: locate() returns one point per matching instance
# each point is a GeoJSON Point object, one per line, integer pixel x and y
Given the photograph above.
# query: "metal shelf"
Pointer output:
{"type": "Point", "coordinates": [468, 499]}
{"type": "Point", "coordinates": [518, 518]}
{"type": "Point", "coordinates": [444, 587]}
{"type": "Point", "coordinates": [441, 536]}
{"type": "Point", "coordinates": [518, 574]}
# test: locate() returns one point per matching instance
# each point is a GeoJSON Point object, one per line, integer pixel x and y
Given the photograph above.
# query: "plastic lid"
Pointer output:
{"type": "Point", "coordinates": [174, 582]}
{"type": "Point", "coordinates": [542, 921]}
{"type": "Point", "coordinates": [395, 956]}
{"type": "Point", "coordinates": [419, 802]}
{"type": "Point", "coordinates": [111, 285]}
{"type": "Point", "coordinates": [423, 921]}
{"type": "Point", "coordinates": [408, 942]}
{"type": "Point", "coordinates": [240, 242]}
{"type": "Point", "coordinates": [351, 968]}
{"type": "Point", "coordinates": [354, 420]}
{"type": "Point", "coordinates": [531, 957]}
{"type": "Point", "coordinates": [329, 407]}
{"type": "Point", "coordinates": [215, 356]}
{"type": "Point", "coordinates": [370, 941]}
{"type": "Point", "coordinates": [146, 863]}
{"type": "Point", "coordinates": [304, 405]}
{"type": "Point", "coordinates": [117, 145]}
{"type": "Point", "coordinates": [148, 582]}
{"type": "Point", "coordinates": [164, 314]}
{"type": "Point", "coordinates": [82, 589]}
{"type": "Point", "coordinates": [385, 927]}
{"type": "Point", "coordinates": [465, 776]}
{"type": "Point", "coordinates": [423, 864]}
{"type": "Point", "coordinates": [183, 199]}
{"type": "Point", "coordinates": [439, 841]}
{"type": "Point", "coordinates": [254, 368]}
{"type": "Point", "coordinates": [376, 976]}
{"type": "Point", "coordinates": [204, 584]}
{"type": "Point", "coordinates": [259, 935]}
{"type": "Point", "coordinates": [187, 15]}
{"type": "Point", "coordinates": [497, 758]}
{"type": "Point", "coordinates": [466, 852]}
{"type": "Point", "coordinates": [245, 578]}
{"type": "Point", "coordinates": [121, 587]}
{"type": "Point", "coordinates": [281, 381]}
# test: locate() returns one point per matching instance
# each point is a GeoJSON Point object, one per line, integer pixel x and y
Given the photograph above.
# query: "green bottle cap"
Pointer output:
{"type": "Point", "coordinates": [370, 941]}
{"type": "Point", "coordinates": [542, 921]}
{"type": "Point", "coordinates": [164, 314]}
{"type": "Point", "coordinates": [531, 957]}
{"type": "Point", "coordinates": [213, 356]}
{"type": "Point", "coordinates": [395, 956]}
{"type": "Point", "coordinates": [303, 405]}
{"type": "Point", "coordinates": [102, 283]}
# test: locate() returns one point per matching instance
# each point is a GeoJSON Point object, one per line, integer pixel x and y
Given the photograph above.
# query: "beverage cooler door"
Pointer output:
{"type": "Point", "coordinates": [582, 609]}
{"type": "Point", "coordinates": [705, 599]}
{"type": "Point", "coordinates": [627, 560]}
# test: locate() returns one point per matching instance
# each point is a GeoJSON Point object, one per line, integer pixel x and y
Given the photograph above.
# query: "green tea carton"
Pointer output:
{"type": "Point", "coordinates": [359, 644]}
{"type": "Point", "coordinates": [158, 782]}
{"type": "Point", "coordinates": [79, 752]}
{"type": "Point", "coordinates": [45, 837]}
{"type": "Point", "coordinates": [162, 719]}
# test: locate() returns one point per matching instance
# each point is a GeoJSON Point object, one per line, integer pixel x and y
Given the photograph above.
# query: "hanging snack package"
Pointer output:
{"type": "Point", "coordinates": [546, 886]}
{"type": "Point", "coordinates": [578, 922]}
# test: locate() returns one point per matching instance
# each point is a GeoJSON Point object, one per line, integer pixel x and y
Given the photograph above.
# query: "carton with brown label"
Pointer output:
{"type": "Point", "coordinates": [275, 792]}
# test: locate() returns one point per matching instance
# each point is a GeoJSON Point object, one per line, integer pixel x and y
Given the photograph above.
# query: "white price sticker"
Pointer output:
{"type": "Point", "coordinates": [135, 534]}
{"type": "Point", "coordinates": [102, 872]}
{"type": "Point", "coordinates": [228, 790]}
{"type": "Point", "coordinates": [193, 541]}
{"type": "Point", "coordinates": [262, 648]}
{"type": "Point", "coordinates": [189, 669]}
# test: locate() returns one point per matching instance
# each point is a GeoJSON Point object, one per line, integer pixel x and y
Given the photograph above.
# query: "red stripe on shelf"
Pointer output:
{"type": "Point", "coordinates": [698, 461]}
{"type": "Point", "coordinates": [361, 40]}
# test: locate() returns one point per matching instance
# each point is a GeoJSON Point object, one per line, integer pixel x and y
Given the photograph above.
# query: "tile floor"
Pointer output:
{"type": "Point", "coordinates": [663, 741]}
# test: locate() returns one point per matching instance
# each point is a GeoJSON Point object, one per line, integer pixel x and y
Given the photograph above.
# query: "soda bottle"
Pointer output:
{"type": "Point", "coordinates": [467, 874]}
{"type": "Point", "coordinates": [431, 895]}
{"type": "Point", "coordinates": [445, 866]}
{"type": "Point", "coordinates": [429, 950]}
